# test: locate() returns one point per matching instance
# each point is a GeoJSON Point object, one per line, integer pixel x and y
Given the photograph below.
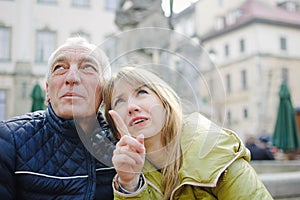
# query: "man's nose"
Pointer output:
{"type": "Point", "coordinates": [73, 76]}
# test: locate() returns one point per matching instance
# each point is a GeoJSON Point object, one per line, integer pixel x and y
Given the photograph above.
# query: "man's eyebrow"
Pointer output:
{"type": "Point", "coordinates": [59, 58]}
{"type": "Point", "coordinates": [91, 60]}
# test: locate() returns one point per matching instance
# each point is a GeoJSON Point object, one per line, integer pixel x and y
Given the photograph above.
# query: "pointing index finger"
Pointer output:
{"type": "Point", "coordinates": [119, 123]}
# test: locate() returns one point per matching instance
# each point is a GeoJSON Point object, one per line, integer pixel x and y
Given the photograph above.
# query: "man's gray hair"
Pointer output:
{"type": "Point", "coordinates": [80, 41]}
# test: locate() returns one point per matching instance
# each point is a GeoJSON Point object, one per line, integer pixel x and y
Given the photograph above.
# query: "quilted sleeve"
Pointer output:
{"type": "Point", "coordinates": [7, 163]}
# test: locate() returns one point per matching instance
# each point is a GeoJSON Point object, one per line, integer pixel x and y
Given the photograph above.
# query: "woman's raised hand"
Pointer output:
{"type": "Point", "coordinates": [129, 155]}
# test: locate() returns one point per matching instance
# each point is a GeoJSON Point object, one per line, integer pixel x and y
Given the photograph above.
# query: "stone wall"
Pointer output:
{"type": "Point", "coordinates": [282, 178]}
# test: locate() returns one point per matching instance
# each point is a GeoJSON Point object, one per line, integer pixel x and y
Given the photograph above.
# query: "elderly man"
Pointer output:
{"type": "Point", "coordinates": [43, 154]}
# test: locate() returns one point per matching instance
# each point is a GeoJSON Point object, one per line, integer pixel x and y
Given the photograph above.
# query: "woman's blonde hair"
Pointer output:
{"type": "Point", "coordinates": [170, 137]}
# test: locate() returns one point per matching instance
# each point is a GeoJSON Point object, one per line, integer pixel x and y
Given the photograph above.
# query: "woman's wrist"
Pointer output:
{"type": "Point", "coordinates": [131, 187]}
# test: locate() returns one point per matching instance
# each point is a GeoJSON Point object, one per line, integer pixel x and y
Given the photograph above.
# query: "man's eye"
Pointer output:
{"type": "Point", "coordinates": [58, 68]}
{"type": "Point", "coordinates": [89, 67]}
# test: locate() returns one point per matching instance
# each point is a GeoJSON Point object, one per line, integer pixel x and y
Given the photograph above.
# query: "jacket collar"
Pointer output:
{"type": "Point", "coordinates": [99, 142]}
{"type": "Point", "coordinates": [65, 127]}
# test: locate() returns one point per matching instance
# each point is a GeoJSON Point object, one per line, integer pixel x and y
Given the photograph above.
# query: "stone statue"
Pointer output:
{"type": "Point", "coordinates": [132, 12]}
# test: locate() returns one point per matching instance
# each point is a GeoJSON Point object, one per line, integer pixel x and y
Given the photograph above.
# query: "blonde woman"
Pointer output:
{"type": "Point", "coordinates": [162, 154]}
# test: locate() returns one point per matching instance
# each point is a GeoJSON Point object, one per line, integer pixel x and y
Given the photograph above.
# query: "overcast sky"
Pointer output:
{"type": "Point", "coordinates": [178, 5]}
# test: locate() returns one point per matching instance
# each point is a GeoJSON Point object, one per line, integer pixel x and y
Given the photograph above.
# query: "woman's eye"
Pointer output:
{"type": "Point", "coordinates": [117, 102]}
{"type": "Point", "coordinates": [143, 91]}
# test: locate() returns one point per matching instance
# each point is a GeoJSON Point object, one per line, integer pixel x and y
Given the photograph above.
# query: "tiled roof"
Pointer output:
{"type": "Point", "coordinates": [256, 9]}
{"type": "Point", "coordinates": [253, 10]}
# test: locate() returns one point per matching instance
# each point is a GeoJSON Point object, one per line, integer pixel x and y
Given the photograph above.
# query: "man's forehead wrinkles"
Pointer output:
{"type": "Point", "coordinates": [74, 50]}
{"type": "Point", "coordinates": [75, 56]}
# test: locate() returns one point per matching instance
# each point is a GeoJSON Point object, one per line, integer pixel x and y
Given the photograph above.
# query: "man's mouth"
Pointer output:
{"type": "Point", "coordinates": [71, 95]}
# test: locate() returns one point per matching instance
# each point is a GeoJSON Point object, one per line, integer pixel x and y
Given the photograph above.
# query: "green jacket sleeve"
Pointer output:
{"type": "Point", "coordinates": [240, 182]}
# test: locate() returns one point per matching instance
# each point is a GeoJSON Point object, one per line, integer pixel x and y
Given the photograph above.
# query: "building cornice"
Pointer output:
{"type": "Point", "coordinates": [249, 22]}
{"type": "Point", "coordinates": [249, 57]}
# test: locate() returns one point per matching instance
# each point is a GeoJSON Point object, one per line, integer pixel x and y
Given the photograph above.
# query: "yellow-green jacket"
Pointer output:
{"type": "Point", "coordinates": [215, 166]}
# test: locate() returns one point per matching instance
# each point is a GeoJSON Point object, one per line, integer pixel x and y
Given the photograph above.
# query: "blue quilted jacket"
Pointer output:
{"type": "Point", "coordinates": [43, 157]}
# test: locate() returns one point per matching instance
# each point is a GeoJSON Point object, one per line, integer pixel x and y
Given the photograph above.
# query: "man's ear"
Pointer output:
{"type": "Point", "coordinates": [47, 93]}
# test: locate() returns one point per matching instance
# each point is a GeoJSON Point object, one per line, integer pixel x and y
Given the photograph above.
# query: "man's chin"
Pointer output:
{"type": "Point", "coordinates": [75, 114]}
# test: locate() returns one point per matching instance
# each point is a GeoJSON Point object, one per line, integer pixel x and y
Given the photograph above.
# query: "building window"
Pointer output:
{"type": "Point", "coordinates": [245, 113]}
{"type": "Point", "coordinates": [291, 6]}
{"type": "Point", "coordinates": [81, 3]}
{"type": "Point", "coordinates": [244, 79]}
{"type": "Point", "coordinates": [228, 83]}
{"type": "Point", "coordinates": [47, 1]}
{"type": "Point", "coordinates": [212, 55]}
{"type": "Point", "coordinates": [46, 41]}
{"type": "Point", "coordinates": [283, 44]}
{"type": "Point", "coordinates": [285, 75]}
{"type": "Point", "coordinates": [24, 90]}
{"type": "Point", "coordinates": [242, 45]}
{"type": "Point", "coordinates": [5, 39]}
{"type": "Point", "coordinates": [112, 5]}
{"type": "Point", "coordinates": [232, 17]}
{"type": "Point", "coordinates": [82, 34]}
{"type": "Point", "coordinates": [219, 23]}
{"type": "Point", "coordinates": [3, 97]}
{"type": "Point", "coordinates": [226, 50]}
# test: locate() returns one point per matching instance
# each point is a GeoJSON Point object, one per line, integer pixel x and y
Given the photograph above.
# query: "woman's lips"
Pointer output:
{"type": "Point", "coordinates": [137, 120]}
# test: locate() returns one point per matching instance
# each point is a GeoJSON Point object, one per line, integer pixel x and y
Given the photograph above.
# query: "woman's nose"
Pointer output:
{"type": "Point", "coordinates": [133, 107]}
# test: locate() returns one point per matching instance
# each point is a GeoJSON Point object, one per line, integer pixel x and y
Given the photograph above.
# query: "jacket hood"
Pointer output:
{"type": "Point", "coordinates": [208, 150]}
